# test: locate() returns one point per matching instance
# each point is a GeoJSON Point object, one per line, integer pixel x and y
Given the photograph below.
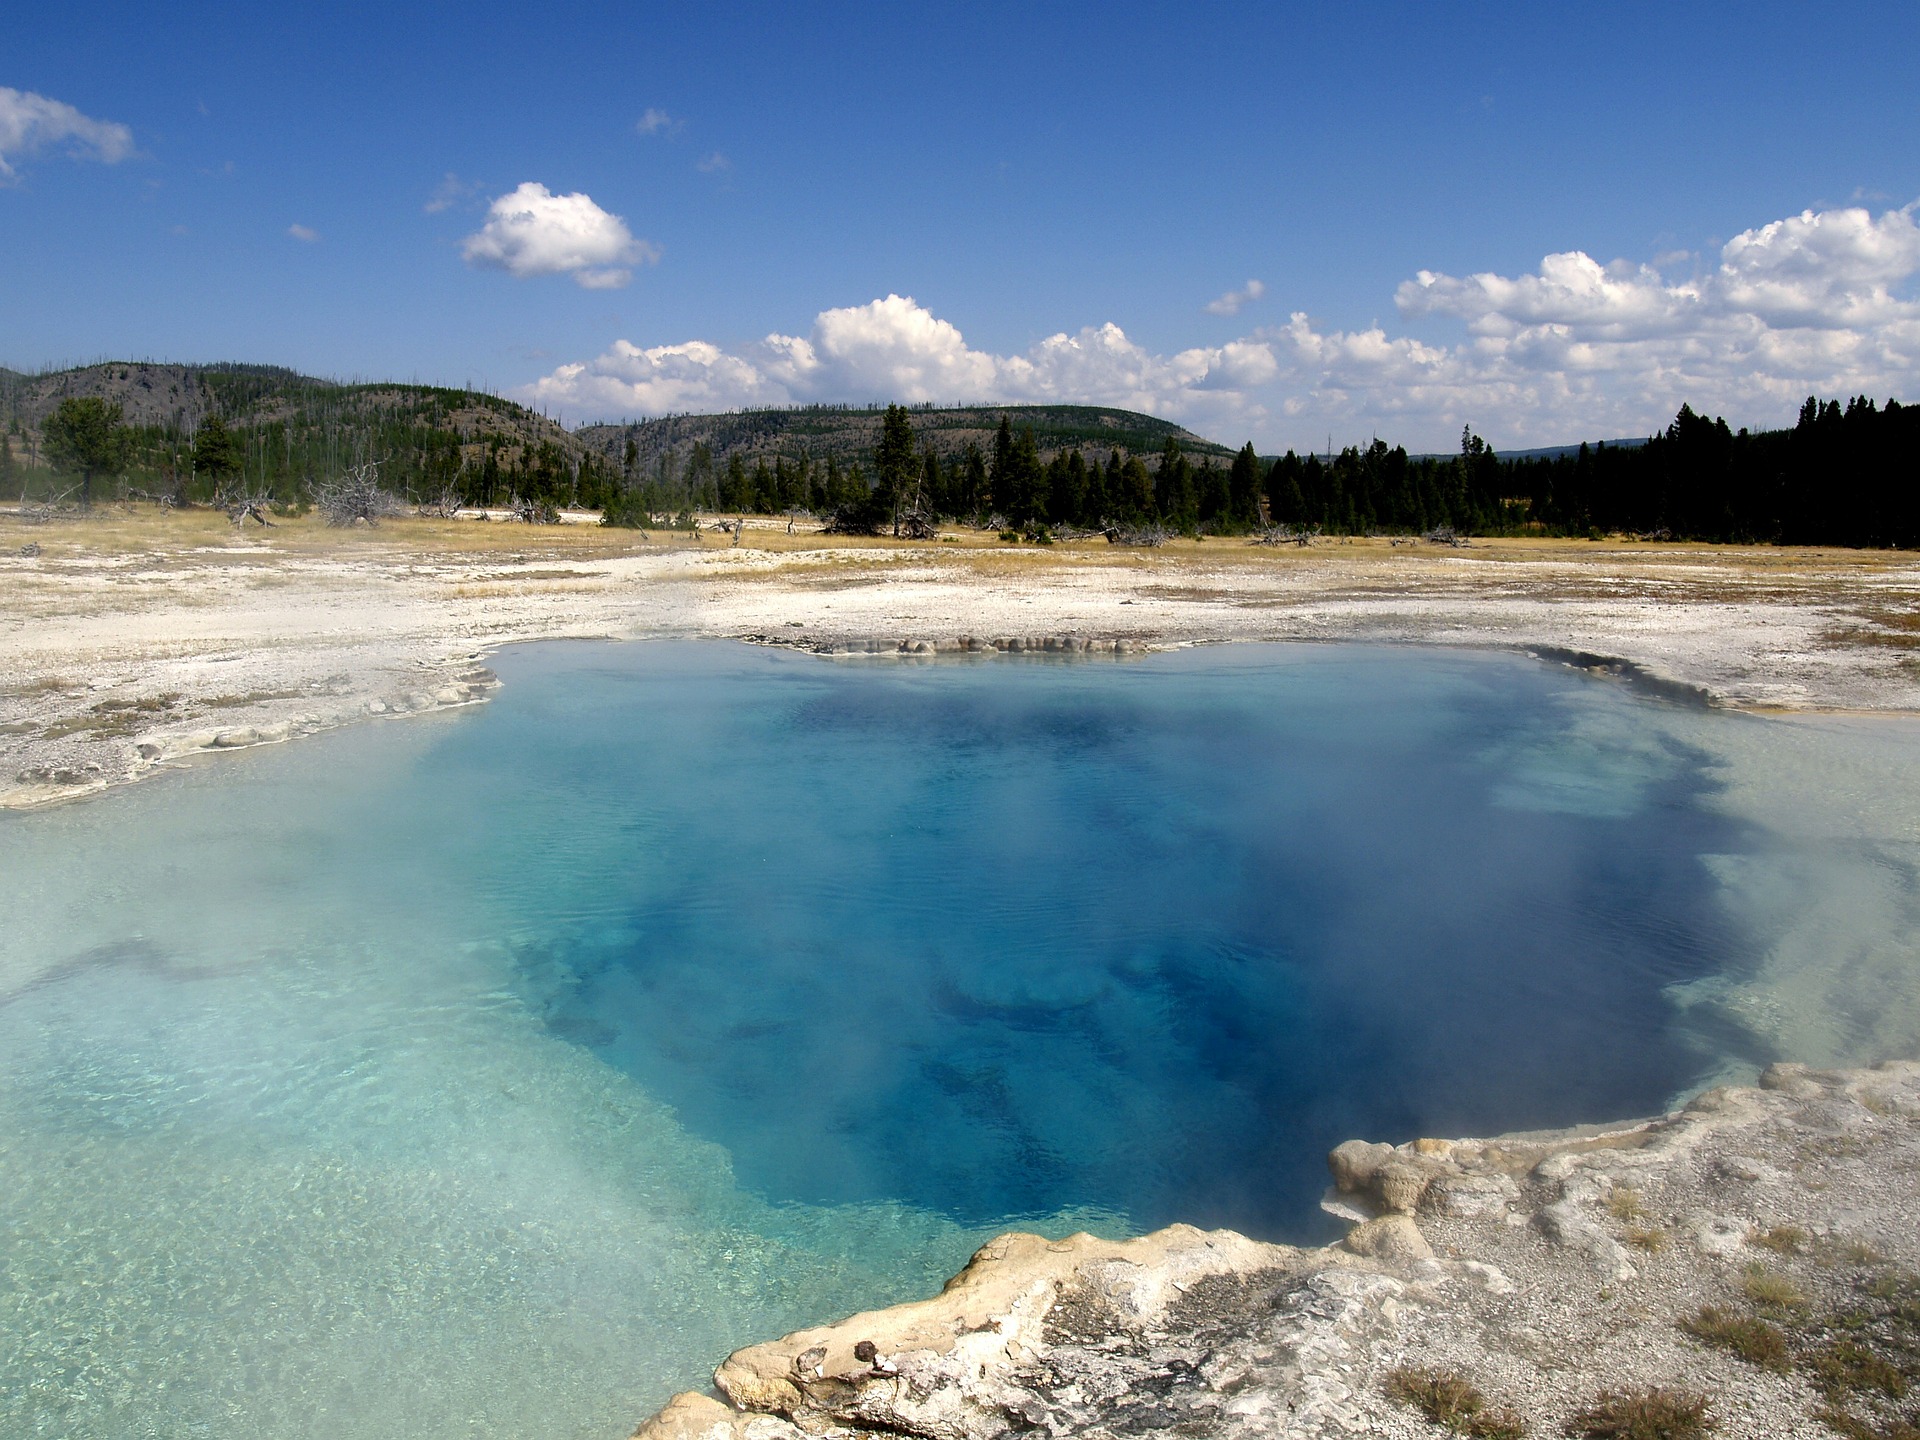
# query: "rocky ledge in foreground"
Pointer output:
{"type": "Point", "coordinates": [1743, 1267]}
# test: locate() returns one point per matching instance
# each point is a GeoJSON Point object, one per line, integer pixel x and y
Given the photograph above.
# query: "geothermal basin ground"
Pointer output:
{"type": "Point", "coordinates": [413, 1115]}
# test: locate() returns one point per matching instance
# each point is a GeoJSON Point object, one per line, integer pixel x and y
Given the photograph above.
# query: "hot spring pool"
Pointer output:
{"type": "Point", "coordinates": [497, 1072]}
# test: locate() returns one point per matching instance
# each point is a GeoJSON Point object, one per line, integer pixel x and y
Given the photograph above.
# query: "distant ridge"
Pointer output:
{"type": "Point", "coordinates": [848, 433]}
{"type": "Point", "coordinates": [1549, 452]}
{"type": "Point", "coordinates": [175, 398]}
{"type": "Point", "coordinates": [172, 400]}
{"type": "Point", "coordinates": [1555, 452]}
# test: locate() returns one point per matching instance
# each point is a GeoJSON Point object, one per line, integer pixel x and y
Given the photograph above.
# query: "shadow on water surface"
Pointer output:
{"type": "Point", "coordinates": [1000, 940]}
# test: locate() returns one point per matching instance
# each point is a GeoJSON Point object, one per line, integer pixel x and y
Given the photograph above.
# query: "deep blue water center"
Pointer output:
{"type": "Point", "coordinates": [1007, 937]}
{"type": "Point", "coordinates": [500, 1071]}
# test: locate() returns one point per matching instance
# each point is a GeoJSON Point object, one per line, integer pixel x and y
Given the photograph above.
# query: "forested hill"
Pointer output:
{"type": "Point", "coordinates": [179, 397]}
{"type": "Point", "coordinates": [289, 430]}
{"type": "Point", "coordinates": [848, 434]}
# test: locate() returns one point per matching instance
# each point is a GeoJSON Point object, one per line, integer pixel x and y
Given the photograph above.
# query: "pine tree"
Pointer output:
{"type": "Point", "coordinates": [84, 435]}
{"type": "Point", "coordinates": [1173, 487]}
{"type": "Point", "coordinates": [1213, 493]}
{"type": "Point", "coordinates": [1314, 492]}
{"type": "Point", "coordinates": [933, 484]}
{"type": "Point", "coordinates": [805, 495]}
{"type": "Point", "coordinates": [1243, 488]}
{"type": "Point", "coordinates": [216, 452]}
{"type": "Point", "coordinates": [1058, 498]}
{"type": "Point", "coordinates": [1067, 489]}
{"type": "Point", "coordinates": [700, 486]}
{"type": "Point", "coordinates": [1000, 477]}
{"type": "Point", "coordinates": [973, 482]}
{"type": "Point", "coordinates": [1286, 504]}
{"type": "Point", "coordinates": [896, 468]}
{"type": "Point", "coordinates": [1132, 492]}
{"type": "Point", "coordinates": [735, 487]}
{"type": "Point", "coordinates": [1094, 504]}
{"type": "Point", "coordinates": [1019, 489]}
{"type": "Point", "coordinates": [489, 480]}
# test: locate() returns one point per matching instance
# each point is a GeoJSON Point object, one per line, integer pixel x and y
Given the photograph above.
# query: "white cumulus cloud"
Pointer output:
{"type": "Point", "coordinates": [30, 123]}
{"type": "Point", "coordinates": [893, 346]}
{"type": "Point", "coordinates": [1234, 301]}
{"type": "Point", "coordinates": [305, 234]}
{"type": "Point", "coordinates": [627, 380]}
{"type": "Point", "coordinates": [1818, 303]}
{"type": "Point", "coordinates": [531, 231]}
{"type": "Point", "coordinates": [655, 122]}
{"type": "Point", "coordinates": [897, 349]}
{"type": "Point", "coordinates": [1811, 303]}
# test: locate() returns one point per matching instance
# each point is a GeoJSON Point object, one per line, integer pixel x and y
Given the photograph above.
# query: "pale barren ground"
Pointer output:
{"type": "Point", "coordinates": [132, 638]}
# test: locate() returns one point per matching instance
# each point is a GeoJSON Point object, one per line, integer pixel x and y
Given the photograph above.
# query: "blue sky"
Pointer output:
{"type": "Point", "coordinates": [1052, 196]}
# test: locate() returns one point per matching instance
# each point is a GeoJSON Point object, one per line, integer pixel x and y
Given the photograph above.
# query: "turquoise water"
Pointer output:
{"type": "Point", "coordinates": [496, 1073]}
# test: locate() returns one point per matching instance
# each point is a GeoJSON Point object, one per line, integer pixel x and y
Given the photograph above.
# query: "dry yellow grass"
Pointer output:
{"type": "Point", "coordinates": [111, 532]}
{"type": "Point", "coordinates": [114, 532]}
{"type": "Point", "coordinates": [1625, 1203]}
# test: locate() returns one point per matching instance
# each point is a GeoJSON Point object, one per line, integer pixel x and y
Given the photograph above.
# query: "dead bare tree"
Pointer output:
{"type": "Point", "coordinates": [916, 523]}
{"type": "Point", "coordinates": [355, 498]}
{"type": "Point", "coordinates": [1286, 535]}
{"type": "Point", "coordinates": [444, 506]}
{"type": "Point", "coordinates": [530, 510]}
{"type": "Point", "coordinates": [242, 506]}
{"type": "Point", "coordinates": [48, 510]}
{"type": "Point", "coordinates": [1150, 535]}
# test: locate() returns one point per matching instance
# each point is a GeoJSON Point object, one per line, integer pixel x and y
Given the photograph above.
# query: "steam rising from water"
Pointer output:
{"type": "Point", "coordinates": [496, 1073]}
